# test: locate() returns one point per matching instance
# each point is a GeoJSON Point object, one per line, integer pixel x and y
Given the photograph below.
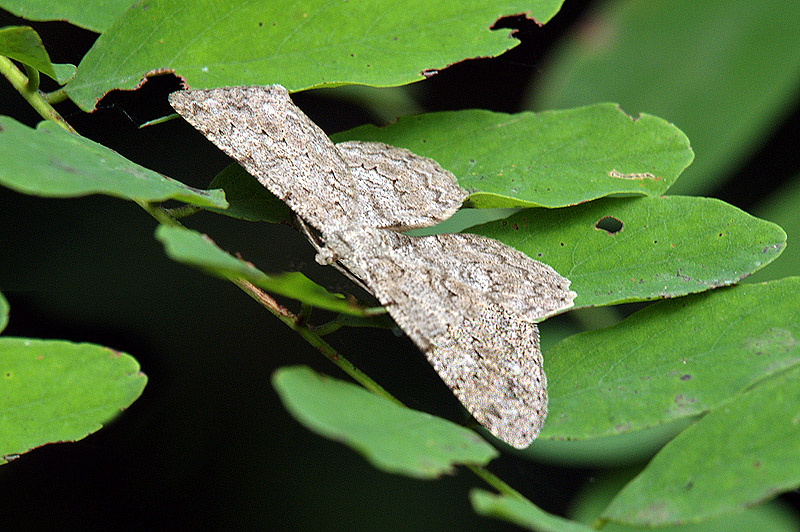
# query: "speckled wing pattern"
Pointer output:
{"type": "Point", "coordinates": [261, 129]}
{"type": "Point", "coordinates": [468, 302]}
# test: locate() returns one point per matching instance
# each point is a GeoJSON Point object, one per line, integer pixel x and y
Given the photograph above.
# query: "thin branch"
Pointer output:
{"type": "Point", "coordinates": [495, 482]}
{"type": "Point", "coordinates": [290, 319]}
{"type": "Point", "coordinates": [23, 85]}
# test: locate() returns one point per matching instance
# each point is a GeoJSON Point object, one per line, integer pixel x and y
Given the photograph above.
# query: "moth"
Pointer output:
{"type": "Point", "coordinates": [468, 302]}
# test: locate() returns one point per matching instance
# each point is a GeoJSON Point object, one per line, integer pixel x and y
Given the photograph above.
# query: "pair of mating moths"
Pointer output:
{"type": "Point", "coordinates": [468, 302]}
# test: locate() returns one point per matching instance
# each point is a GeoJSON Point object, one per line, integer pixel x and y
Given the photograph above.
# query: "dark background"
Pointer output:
{"type": "Point", "coordinates": [208, 445]}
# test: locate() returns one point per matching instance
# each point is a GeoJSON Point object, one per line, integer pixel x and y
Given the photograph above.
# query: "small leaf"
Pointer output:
{"type": "Point", "coordinates": [51, 162]}
{"type": "Point", "coordinates": [23, 44]}
{"type": "Point", "coordinates": [719, 74]}
{"type": "Point", "coordinates": [675, 359]}
{"type": "Point", "coordinates": [372, 42]}
{"type": "Point", "coordinates": [391, 437]}
{"type": "Point", "coordinates": [53, 391]}
{"type": "Point", "coordinates": [550, 159]}
{"type": "Point", "coordinates": [248, 199]}
{"type": "Point", "coordinates": [735, 457]}
{"type": "Point", "coordinates": [665, 247]}
{"type": "Point", "coordinates": [199, 251]}
{"type": "Point", "coordinates": [521, 512]}
{"type": "Point", "coordinates": [781, 207]}
{"type": "Point", "coordinates": [3, 312]}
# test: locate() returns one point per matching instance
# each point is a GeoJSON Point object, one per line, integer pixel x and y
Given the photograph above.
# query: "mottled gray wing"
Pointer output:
{"type": "Point", "coordinates": [262, 130]}
{"type": "Point", "coordinates": [400, 189]}
{"type": "Point", "coordinates": [471, 318]}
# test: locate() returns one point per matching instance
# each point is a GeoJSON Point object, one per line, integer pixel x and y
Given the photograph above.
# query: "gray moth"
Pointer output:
{"type": "Point", "coordinates": [468, 302]}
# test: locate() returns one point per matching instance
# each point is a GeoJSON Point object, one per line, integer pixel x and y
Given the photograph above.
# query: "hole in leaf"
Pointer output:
{"type": "Point", "coordinates": [609, 224]}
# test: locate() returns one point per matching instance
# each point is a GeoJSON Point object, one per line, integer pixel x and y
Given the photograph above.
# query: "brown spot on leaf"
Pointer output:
{"type": "Point", "coordinates": [635, 175]}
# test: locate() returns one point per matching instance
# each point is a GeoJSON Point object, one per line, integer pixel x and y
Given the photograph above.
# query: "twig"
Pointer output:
{"type": "Point", "coordinates": [29, 89]}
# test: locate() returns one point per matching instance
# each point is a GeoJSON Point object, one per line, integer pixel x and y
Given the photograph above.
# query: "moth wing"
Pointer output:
{"type": "Point", "coordinates": [399, 189]}
{"type": "Point", "coordinates": [271, 138]}
{"type": "Point", "coordinates": [485, 351]}
{"type": "Point", "coordinates": [505, 276]}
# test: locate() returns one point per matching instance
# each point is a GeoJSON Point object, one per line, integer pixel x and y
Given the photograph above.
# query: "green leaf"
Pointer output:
{"type": "Point", "coordinates": [721, 75]}
{"type": "Point", "coordinates": [586, 507]}
{"type": "Point", "coordinates": [23, 44]}
{"type": "Point", "coordinates": [3, 312]}
{"type": "Point", "coordinates": [735, 457]}
{"type": "Point", "coordinates": [53, 391]}
{"type": "Point", "coordinates": [781, 207]}
{"type": "Point", "coordinates": [549, 159]}
{"type": "Point", "coordinates": [199, 251]}
{"type": "Point", "coordinates": [94, 15]}
{"type": "Point", "coordinates": [248, 199]}
{"type": "Point", "coordinates": [52, 162]}
{"type": "Point", "coordinates": [305, 44]}
{"type": "Point", "coordinates": [521, 512]}
{"type": "Point", "coordinates": [391, 437]}
{"type": "Point", "coordinates": [666, 247]}
{"type": "Point", "coordinates": [675, 359]}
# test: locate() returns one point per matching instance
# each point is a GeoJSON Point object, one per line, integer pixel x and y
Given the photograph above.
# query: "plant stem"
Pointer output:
{"type": "Point", "coordinates": [495, 482]}
{"type": "Point", "coordinates": [294, 323]}
{"type": "Point", "coordinates": [161, 214]}
{"type": "Point", "coordinates": [57, 96]}
{"type": "Point", "coordinates": [32, 95]}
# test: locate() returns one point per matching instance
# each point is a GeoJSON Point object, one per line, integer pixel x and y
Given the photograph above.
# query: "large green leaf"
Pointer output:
{"type": "Point", "coordinates": [588, 505]}
{"type": "Point", "coordinates": [716, 68]}
{"type": "Point", "coordinates": [549, 159]}
{"type": "Point", "coordinates": [197, 250]}
{"type": "Point", "coordinates": [52, 162]}
{"type": "Point", "coordinates": [304, 44]}
{"type": "Point", "coordinates": [675, 359]}
{"type": "Point", "coordinates": [95, 15]}
{"type": "Point", "coordinates": [735, 457]}
{"type": "Point", "coordinates": [666, 246]}
{"type": "Point", "coordinates": [391, 437]}
{"type": "Point", "coordinates": [23, 44]}
{"type": "Point", "coordinates": [522, 512]}
{"type": "Point", "coordinates": [53, 391]}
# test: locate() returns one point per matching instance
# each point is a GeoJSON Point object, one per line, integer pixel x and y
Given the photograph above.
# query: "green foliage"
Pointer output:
{"type": "Point", "coordinates": [3, 312]}
{"type": "Point", "coordinates": [520, 511]}
{"type": "Point", "coordinates": [49, 161]}
{"type": "Point", "coordinates": [52, 390]}
{"type": "Point", "coordinates": [716, 373]}
{"type": "Point", "coordinates": [264, 42]}
{"type": "Point", "coordinates": [392, 437]}
{"type": "Point", "coordinates": [722, 74]}
{"type": "Point", "coordinates": [774, 516]}
{"type": "Point", "coordinates": [666, 246]}
{"type": "Point", "coordinates": [735, 457]}
{"type": "Point", "coordinates": [675, 359]}
{"type": "Point", "coordinates": [199, 251]}
{"type": "Point", "coordinates": [24, 45]}
{"type": "Point", "coordinates": [247, 198]}
{"type": "Point", "coordinates": [572, 163]}
{"type": "Point", "coordinates": [96, 16]}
